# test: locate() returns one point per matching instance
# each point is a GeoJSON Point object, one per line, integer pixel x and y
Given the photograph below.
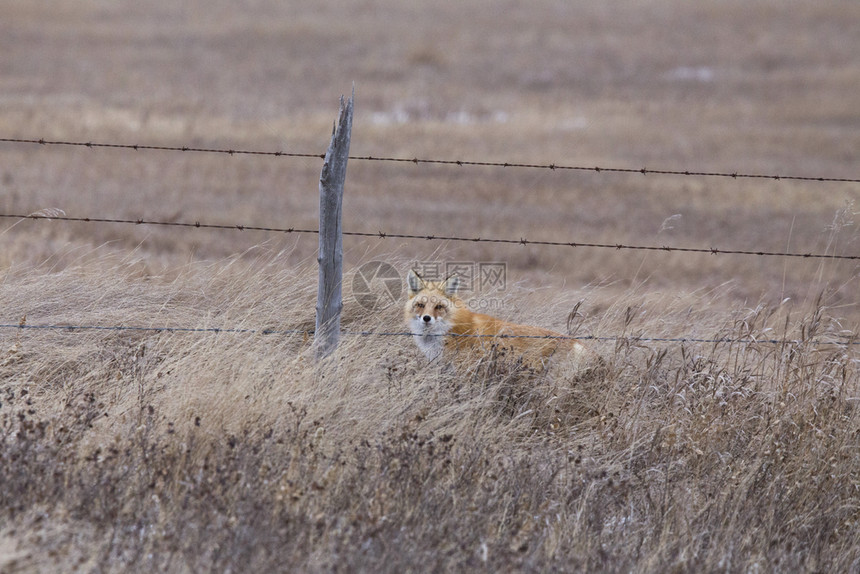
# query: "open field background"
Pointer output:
{"type": "Point", "coordinates": [182, 451]}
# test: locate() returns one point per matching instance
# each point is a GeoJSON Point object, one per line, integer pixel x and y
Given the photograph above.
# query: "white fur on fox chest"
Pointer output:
{"type": "Point", "coordinates": [429, 336]}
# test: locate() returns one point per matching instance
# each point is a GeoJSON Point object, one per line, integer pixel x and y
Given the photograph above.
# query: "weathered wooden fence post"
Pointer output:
{"type": "Point", "coordinates": [330, 259]}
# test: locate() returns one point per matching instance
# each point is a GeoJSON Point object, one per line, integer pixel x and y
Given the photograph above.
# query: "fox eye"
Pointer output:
{"type": "Point", "coordinates": [419, 305]}
{"type": "Point", "coordinates": [440, 306]}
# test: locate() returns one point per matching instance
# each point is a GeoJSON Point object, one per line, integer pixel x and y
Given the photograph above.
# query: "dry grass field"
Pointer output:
{"type": "Point", "coordinates": [187, 450]}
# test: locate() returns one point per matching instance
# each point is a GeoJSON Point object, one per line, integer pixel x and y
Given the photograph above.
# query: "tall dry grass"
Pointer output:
{"type": "Point", "coordinates": [187, 451]}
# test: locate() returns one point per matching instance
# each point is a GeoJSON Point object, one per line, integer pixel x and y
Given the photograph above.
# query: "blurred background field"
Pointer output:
{"type": "Point", "coordinates": [764, 87]}
{"type": "Point", "coordinates": [719, 86]}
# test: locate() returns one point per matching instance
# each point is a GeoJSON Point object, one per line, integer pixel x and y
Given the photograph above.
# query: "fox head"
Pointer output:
{"type": "Point", "coordinates": [429, 310]}
{"type": "Point", "coordinates": [430, 302]}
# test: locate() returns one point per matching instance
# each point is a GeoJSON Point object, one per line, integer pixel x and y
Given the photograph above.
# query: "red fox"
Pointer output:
{"type": "Point", "coordinates": [436, 316]}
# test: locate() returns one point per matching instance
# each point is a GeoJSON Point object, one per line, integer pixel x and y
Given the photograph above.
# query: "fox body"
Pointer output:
{"type": "Point", "coordinates": [439, 320]}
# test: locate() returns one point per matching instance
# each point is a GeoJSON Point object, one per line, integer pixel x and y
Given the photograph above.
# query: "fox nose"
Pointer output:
{"type": "Point", "coordinates": [427, 318]}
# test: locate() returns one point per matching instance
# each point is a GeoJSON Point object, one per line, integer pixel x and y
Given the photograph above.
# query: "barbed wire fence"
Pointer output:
{"type": "Point", "coordinates": [839, 340]}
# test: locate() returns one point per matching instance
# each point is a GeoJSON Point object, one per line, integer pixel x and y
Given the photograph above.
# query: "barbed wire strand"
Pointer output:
{"type": "Point", "coordinates": [454, 162]}
{"type": "Point", "coordinates": [144, 147]}
{"type": "Point", "coordinates": [850, 340]}
{"type": "Point", "coordinates": [431, 237]}
{"type": "Point", "coordinates": [186, 224]}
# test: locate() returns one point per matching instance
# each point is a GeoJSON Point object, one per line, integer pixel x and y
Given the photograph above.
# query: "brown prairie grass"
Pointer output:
{"type": "Point", "coordinates": [175, 451]}
{"type": "Point", "coordinates": [196, 451]}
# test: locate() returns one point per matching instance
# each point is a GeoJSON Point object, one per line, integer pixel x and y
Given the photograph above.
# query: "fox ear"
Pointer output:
{"type": "Point", "coordinates": [452, 285]}
{"type": "Point", "coordinates": [414, 282]}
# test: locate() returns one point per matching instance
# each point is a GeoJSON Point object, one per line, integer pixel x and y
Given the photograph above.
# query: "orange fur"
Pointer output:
{"type": "Point", "coordinates": [442, 323]}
